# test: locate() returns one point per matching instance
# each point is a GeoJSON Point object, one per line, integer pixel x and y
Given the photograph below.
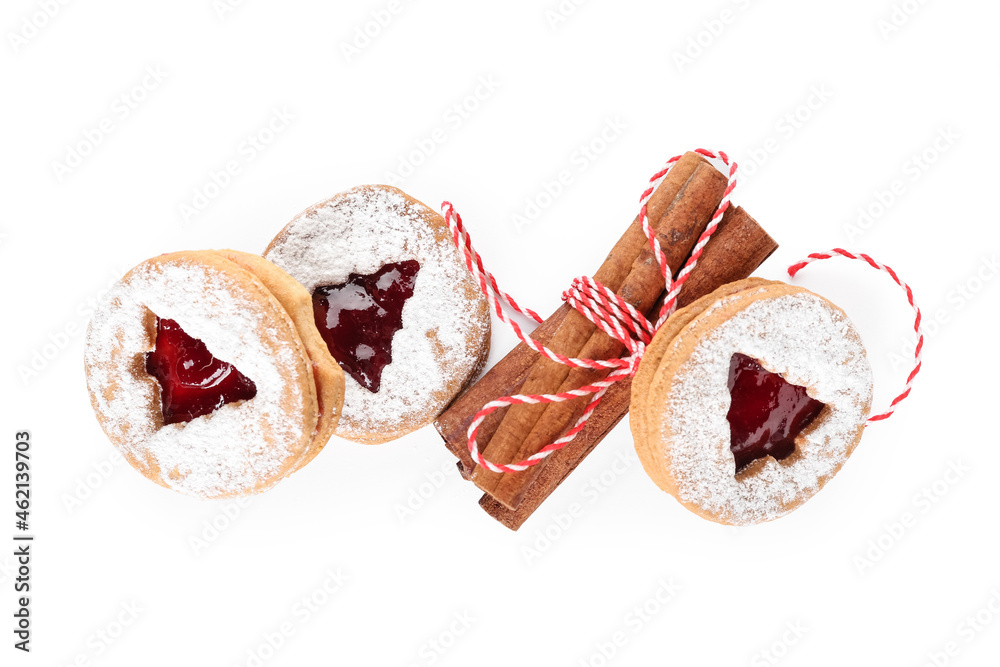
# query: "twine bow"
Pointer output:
{"type": "Point", "coordinates": [614, 316]}
{"type": "Point", "coordinates": [606, 310]}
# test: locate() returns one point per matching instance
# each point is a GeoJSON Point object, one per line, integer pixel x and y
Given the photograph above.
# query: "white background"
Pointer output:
{"type": "Point", "coordinates": [857, 587]}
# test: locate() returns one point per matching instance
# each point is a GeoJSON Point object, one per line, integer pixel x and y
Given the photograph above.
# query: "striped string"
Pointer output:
{"type": "Point", "coordinates": [918, 351]}
{"type": "Point", "coordinates": [600, 305]}
{"type": "Point", "coordinates": [619, 319]}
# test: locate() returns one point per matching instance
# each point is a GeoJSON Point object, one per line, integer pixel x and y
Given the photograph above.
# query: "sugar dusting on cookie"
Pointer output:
{"type": "Point", "coordinates": [241, 447]}
{"type": "Point", "coordinates": [808, 342]}
{"type": "Point", "coordinates": [359, 231]}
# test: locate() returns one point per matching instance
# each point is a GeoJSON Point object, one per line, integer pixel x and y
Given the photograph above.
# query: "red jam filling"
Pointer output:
{"type": "Point", "coordinates": [359, 318]}
{"type": "Point", "coordinates": [766, 414]}
{"type": "Point", "coordinates": [193, 383]}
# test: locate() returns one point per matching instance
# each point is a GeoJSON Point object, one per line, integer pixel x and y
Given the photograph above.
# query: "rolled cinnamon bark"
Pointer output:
{"type": "Point", "coordinates": [682, 225]}
{"type": "Point", "coordinates": [504, 379]}
{"type": "Point", "coordinates": [510, 374]}
{"type": "Point", "coordinates": [527, 428]}
{"type": "Point", "coordinates": [738, 247]}
{"type": "Point", "coordinates": [735, 251]}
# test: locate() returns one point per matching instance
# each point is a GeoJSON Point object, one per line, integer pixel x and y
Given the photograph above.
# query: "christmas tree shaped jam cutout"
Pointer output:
{"type": "Point", "coordinates": [358, 319]}
{"type": "Point", "coordinates": [193, 383]}
{"type": "Point", "coordinates": [766, 413]}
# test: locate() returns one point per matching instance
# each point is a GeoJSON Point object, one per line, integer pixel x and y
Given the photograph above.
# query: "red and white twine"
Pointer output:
{"type": "Point", "coordinates": [612, 315]}
{"type": "Point", "coordinates": [918, 351]}
{"type": "Point", "coordinates": [600, 305]}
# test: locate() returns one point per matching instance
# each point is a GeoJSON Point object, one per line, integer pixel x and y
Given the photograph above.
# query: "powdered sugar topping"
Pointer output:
{"type": "Point", "coordinates": [810, 344]}
{"type": "Point", "coordinates": [239, 448]}
{"type": "Point", "coordinates": [360, 231]}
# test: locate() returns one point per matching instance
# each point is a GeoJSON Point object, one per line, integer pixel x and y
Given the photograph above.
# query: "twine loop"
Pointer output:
{"type": "Point", "coordinates": [619, 319]}
{"type": "Point", "coordinates": [918, 351]}
{"type": "Point", "coordinates": [600, 305]}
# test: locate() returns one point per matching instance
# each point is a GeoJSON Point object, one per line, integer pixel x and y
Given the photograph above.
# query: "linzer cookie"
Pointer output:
{"type": "Point", "coordinates": [749, 400]}
{"type": "Point", "coordinates": [205, 369]}
{"type": "Point", "coordinates": [394, 303]}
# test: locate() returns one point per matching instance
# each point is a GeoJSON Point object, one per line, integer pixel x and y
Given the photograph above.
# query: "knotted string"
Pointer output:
{"type": "Point", "coordinates": [619, 319]}
{"type": "Point", "coordinates": [600, 305]}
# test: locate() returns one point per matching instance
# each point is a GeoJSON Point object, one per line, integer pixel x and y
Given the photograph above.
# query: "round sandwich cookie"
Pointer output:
{"type": "Point", "coordinates": [395, 303]}
{"type": "Point", "coordinates": [749, 400]}
{"type": "Point", "coordinates": [206, 371]}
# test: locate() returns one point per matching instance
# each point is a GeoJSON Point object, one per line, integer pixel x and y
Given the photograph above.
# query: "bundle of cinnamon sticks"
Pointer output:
{"type": "Point", "coordinates": [679, 210]}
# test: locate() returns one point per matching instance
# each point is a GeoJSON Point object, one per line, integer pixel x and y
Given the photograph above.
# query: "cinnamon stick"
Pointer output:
{"type": "Point", "coordinates": [735, 251]}
{"type": "Point", "coordinates": [504, 379]}
{"type": "Point", "coordinates": [509, 375]}
{"type": "Point", "coordinates": [525, 429]}
{"type": "Point", "coordinates": [683, 224]}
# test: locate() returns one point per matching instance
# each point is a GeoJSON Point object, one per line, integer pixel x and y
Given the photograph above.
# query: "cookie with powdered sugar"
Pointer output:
{"type": "Point", "coordinates": [394, 301]}
{"type": "Point", "coordinates": [206, 371]}
{"type": "Point", "coordinates": [751, 401]}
